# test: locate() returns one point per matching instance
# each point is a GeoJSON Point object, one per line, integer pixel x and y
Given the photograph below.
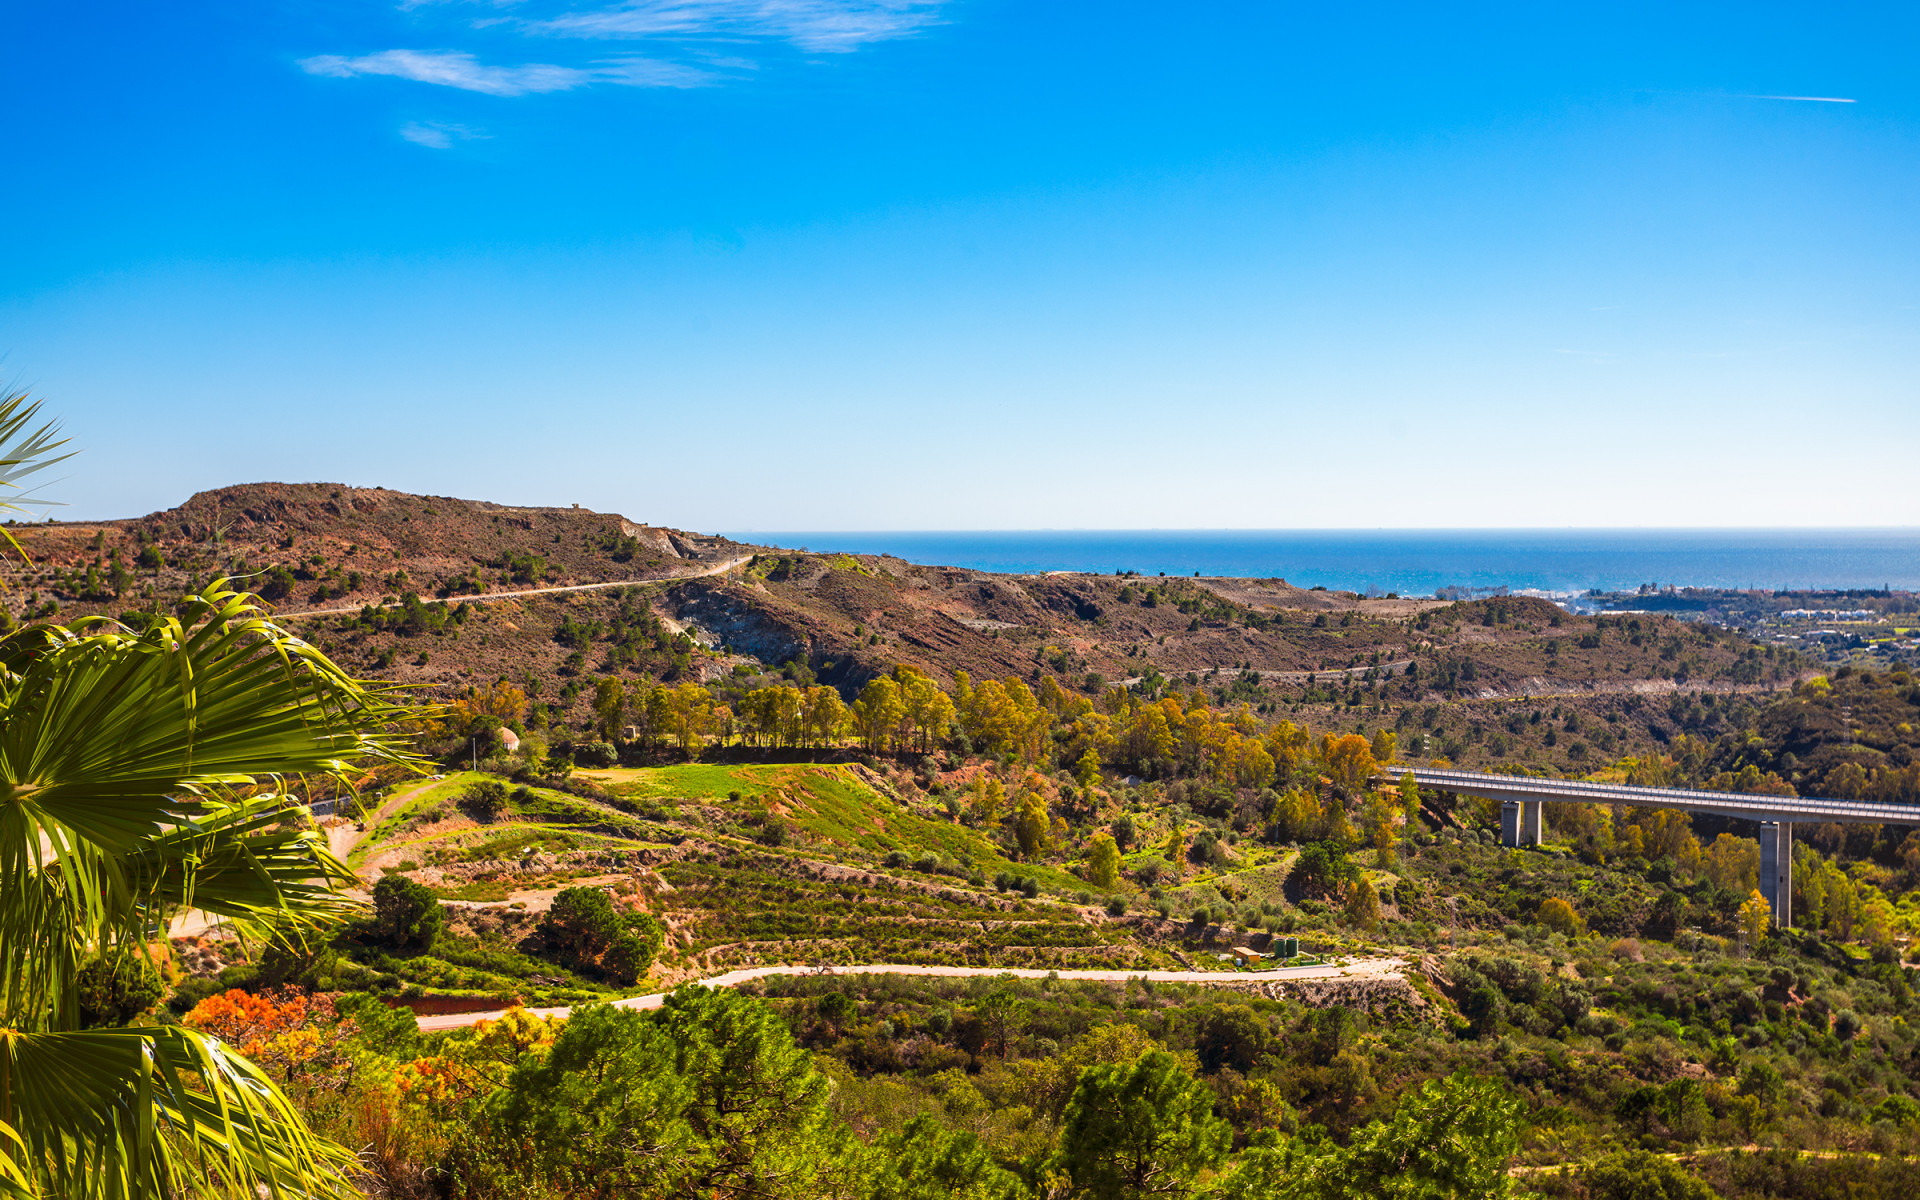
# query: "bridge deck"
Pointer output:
{"type": "Point", "coordinates": [1731, 804]}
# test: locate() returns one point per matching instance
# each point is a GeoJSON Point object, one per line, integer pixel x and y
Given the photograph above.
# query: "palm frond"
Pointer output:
{"type": "Point", "coordinates": [114, 1114]}
{"type": "Point", "coordinates": [24, 449]}
{"type": "Point", "coordinates": [234, 862]}
{"type": "Point", "coordinates": [14, 1182]}
{"type": "Point", "coordinates": [121, 755]}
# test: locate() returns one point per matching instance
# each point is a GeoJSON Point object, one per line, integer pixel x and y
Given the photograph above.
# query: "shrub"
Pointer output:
{"type": "Point", "coordinates": [836, 1008]}
{"type": "Point", "coordinates": [1643, 1175]}
{"type": "Point", "coordinates": [586, 932]}
{"type": "Point", "coordinates": [1322, 867]}
{"type": "Point", "coordinates": [595, 754]}
{"type": "Point", "coordinates": [406, 915]}
{"type": "Point", "coordinates": [485, 800]}
{"type": "Point", "coordinates": [114, 993]}
{"type": "Point", "coordinates": [1556, 914]}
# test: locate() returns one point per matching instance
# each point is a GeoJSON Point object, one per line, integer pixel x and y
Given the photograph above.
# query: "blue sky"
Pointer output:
{"type": "Point", "coordinates": [968, 264]}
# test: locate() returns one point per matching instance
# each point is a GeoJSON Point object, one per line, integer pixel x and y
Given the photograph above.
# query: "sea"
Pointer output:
{"type": "Point", "coordinates": [1556, 563]}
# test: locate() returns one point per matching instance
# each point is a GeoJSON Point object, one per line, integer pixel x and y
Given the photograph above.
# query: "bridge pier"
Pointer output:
{"type": "Point", "coordinates": [1520, 822]}
{"type": "Point", "coordinates": [1776, 869]}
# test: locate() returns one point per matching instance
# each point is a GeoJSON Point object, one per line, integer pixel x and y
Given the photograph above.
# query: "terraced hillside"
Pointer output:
{"type": "Point", "coordinates": [743, 865]}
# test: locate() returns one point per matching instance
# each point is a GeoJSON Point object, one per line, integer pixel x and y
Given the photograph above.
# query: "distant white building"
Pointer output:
{"type": "Point", "coordinates": [510, 740]}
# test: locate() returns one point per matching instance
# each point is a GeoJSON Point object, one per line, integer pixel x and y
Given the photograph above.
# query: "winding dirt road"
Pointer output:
{"type": "Point", "coordinates": [1365, 968]}
{"type": "Point", "coordinates": [489, 597]}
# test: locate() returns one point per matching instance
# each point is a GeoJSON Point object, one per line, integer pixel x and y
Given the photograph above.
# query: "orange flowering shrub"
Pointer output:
{"type": "Point", "coordinates": [480, 1063]}
{"type": "Point", "coordinates": [288, 1029]}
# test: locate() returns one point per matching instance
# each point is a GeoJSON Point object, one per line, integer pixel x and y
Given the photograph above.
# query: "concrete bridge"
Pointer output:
{"type": "Point", "coordinates": [1521, 800]}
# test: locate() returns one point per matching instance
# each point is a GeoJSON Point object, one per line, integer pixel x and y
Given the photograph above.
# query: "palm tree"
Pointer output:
{"type": "Point", "coordinates": [141, 773]}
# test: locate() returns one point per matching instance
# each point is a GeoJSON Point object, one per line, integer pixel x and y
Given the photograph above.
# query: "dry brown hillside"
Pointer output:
{"type": "Point", "coordinates": [342, 563]}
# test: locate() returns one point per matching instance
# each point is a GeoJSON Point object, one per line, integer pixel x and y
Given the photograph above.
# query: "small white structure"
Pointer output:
{"type": "Point", "coordinates": [510, 740]}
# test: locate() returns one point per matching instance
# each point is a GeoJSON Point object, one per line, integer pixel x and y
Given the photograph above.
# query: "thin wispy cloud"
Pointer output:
{"type": "Point", "coordinates": [450, 68]}
{"type": "Point", "coordinates": [836, 26]}
{"type": "Point", "coordinates": [436, 135]}
{"type": "Point", "coordinates": [458, 69]}
{"type": "Point", "coordinates": [1810, 99]}
{"type": "Point", "coordinates": [695, 44]}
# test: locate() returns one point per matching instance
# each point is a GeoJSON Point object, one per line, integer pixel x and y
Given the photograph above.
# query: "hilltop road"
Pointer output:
{"type": "Point", "coordinates": [489, 597]}
{"type": "Point", "coordinates": [1365, 968]}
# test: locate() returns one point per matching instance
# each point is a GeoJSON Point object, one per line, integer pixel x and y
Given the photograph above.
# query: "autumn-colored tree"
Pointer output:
{"type": "Point", "coordinates": [1288, 744]}
{"type": "Point", "coordinates": [1381, 819]}
{"type": "Point", "coordinates": [1385, 742]}
{"type": "Point", "coordinates": [1732, 863]}
{"type": "Point", "coordinates": [1348, 759]}
{"type": "Point", "coordinates": [926, 711]}
{"type": "Point", "coordinates": [1245, 763]}
{"type": "Point", "coordinates": [1103, 862]}
{"type": "Point", "coordinates": [1363, 905]}
{"type": "Point", "coordinates": [503, 702]}
{"type": "Point", "coordinates": [1558, 915]}
{"type": "Point", "coordinates": [609, 707]}
{"type": "Point", "coordinates": [1087, 770]}
{"type": "Point", "coordinates": [1033, 825]}
{"type": "Point", "coordinates": [477, 1065]}
{"type": "Point", "coordinates": [1665, 833]}
{"type": "Point", "coordinates": [1298, 817]}
{"type": "Point", "coordinates": [688, 714]}
{"type": "Point", "coordinates": [877, 713]}
{"type": "Point", "coordinates": [1752, 781]}
{"type": "Point", "coordinates": [825, 715]}
{"type": "Point", "coordinates": [1755, 918]}
{"type": "Point", "coordinates": [989, 800]}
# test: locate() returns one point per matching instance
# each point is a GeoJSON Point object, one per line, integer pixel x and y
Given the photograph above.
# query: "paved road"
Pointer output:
{"type": "Point", "coordinates": [488, 597]}
{"type": "Point", "coordinates": [1366, 968]}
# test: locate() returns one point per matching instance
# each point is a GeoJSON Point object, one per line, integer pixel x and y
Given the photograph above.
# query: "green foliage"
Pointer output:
{"type": "Point", "coordinates": [115, 991]}
{"type": "Point", "coordinates": [406, 915]}
{"type": "Point", "coordinates": [388, 1030]}
{"type": "Point", "coordinates": [1231, 1035]}
{"type": "Point", "coordinates": [707, 1096]}
{"type": "Point", "coordinates": [484, 800]}
{"type": "Point", "coordinates": [1103, 862]}
{"type": "Point", "coordinates": [925, 1161]}
{"type": "Point", "coordinates": [585, 931]}
{"type": "Point", "coordinates": [1323, 868]}
{"type": "Point", "coordinates": [1642, 1175]}
{"type": "Point", "coordinates": [1677, 1110]}
{"type": "Point", "coordinates": [1140, 1129]}
{"type": "Point", "coordinates": [1363, 905]}
{"type": "Point", "coordinates": [1448, 1140]}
